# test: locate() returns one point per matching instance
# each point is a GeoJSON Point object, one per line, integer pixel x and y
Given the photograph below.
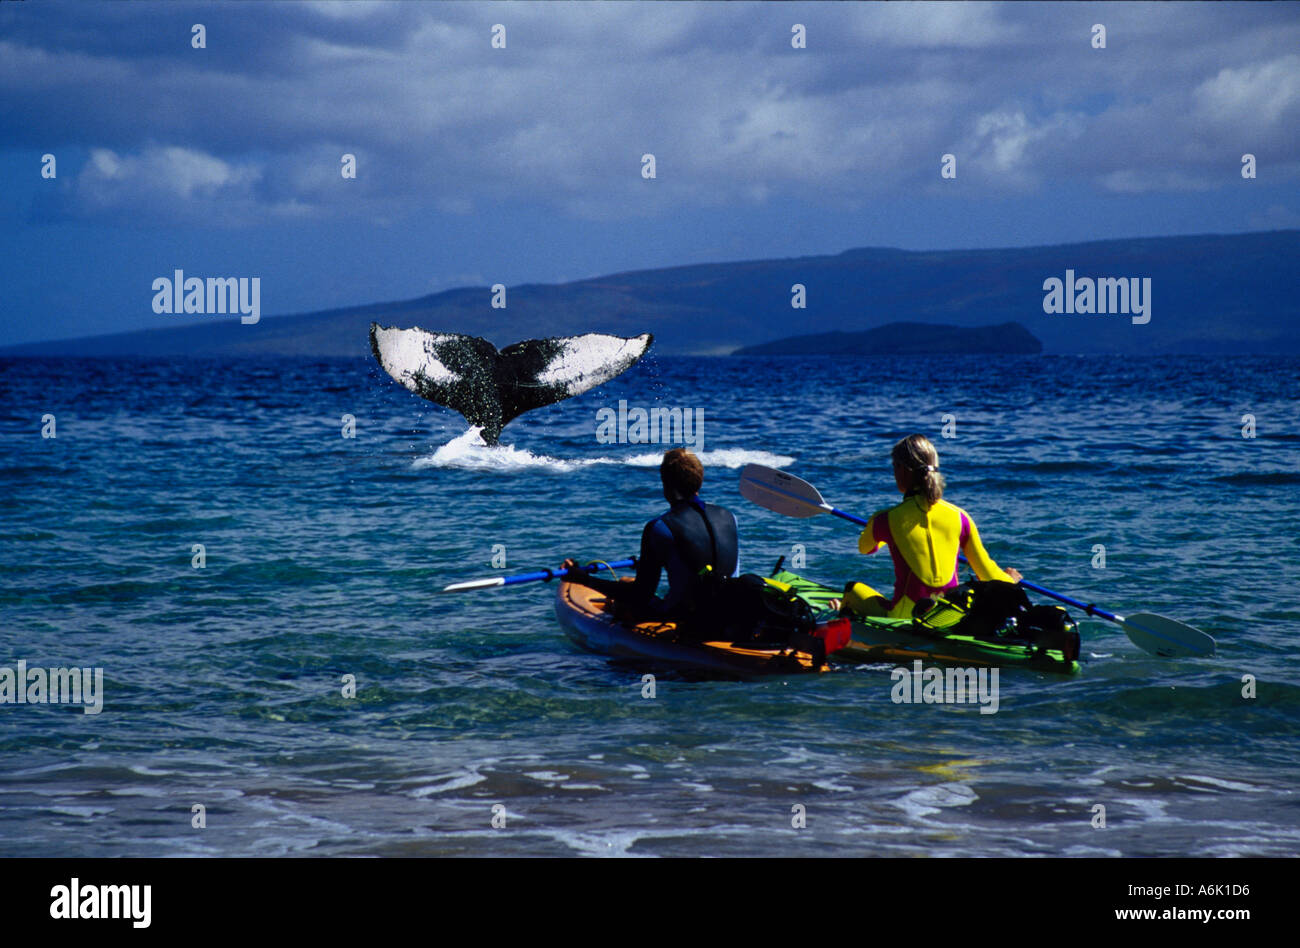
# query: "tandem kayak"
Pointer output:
{"type": "Point", "coordinates": [585, 618]}
{"type": "Point", "coordinates": [902, 640]}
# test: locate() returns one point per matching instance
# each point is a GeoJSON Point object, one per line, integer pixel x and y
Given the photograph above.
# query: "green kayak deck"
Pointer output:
{"type": "Point", "coordinates": [900, 640]}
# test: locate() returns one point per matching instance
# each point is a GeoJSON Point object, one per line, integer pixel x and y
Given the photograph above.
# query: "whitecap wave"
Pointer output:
{"type": "Point", "coordinates": [724, 457]}
{"type": "Point", "coordinates": [928, 801]}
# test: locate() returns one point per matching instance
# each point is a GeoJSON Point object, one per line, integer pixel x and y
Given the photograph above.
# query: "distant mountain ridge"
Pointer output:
{"type": "Point", "coordinates": [1217, 294]}
{"type": "Point", "coordinates": [908, 339]}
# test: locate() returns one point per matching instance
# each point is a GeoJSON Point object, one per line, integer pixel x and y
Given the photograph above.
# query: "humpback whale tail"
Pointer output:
{"type": "Point", "coordinates": [490, 388]}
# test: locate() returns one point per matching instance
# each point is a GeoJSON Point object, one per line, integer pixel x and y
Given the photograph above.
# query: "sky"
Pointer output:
{"type": "Point", "coordinates": [479, 165]}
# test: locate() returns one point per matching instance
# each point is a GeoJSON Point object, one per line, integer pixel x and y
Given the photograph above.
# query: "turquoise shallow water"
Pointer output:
{"type": "Point", "coordinates": [324, 554]}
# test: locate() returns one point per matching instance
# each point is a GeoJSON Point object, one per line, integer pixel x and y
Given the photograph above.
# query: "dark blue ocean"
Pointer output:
{"type": "Point", "coordinates": [324, 557]}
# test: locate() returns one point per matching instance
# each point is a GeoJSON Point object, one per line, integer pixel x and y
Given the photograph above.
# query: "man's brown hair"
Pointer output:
{"type": "Point", "coordinates": [682, 472]}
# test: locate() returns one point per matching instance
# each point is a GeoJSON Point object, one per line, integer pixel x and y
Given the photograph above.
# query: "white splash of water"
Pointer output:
{"type": "Point", "coordinates": [469, 452]}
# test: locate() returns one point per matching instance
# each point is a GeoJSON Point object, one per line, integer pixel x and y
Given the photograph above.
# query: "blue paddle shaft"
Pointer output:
{"type": "Point", "coordinates": [849, 517]}
{"type": "Point", "coordinates": [556, 573]}
{"type": "Point", "coordinates": [1086, 607]}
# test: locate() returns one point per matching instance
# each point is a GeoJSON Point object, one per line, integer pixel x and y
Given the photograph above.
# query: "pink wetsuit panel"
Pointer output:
{"type": "Point", "coordinates": [906, 582]}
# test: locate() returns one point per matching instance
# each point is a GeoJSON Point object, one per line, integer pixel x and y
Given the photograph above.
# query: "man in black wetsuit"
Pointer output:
{"type": "Point", "coordinates": [689, 536]}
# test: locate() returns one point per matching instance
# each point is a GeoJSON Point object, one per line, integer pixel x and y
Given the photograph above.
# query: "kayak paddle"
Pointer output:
{"type": "Point", "coordinates": [794, 497]}
{"type": "Point", "coordinates": [532, 577]}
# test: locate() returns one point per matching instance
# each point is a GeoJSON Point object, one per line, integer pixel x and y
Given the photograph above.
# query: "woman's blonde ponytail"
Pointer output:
{"type": "Point", "coordinates": [917, 456]}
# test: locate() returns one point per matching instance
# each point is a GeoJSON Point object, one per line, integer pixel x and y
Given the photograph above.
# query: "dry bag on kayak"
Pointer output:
{"type": "Point", "coordinates": [996, 611]}
{"type": "Point", "coordinates": [745, 609]}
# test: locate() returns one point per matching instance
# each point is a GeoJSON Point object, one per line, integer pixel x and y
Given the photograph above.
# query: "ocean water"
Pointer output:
{"type": "Point", "coordinates": [324, 557]}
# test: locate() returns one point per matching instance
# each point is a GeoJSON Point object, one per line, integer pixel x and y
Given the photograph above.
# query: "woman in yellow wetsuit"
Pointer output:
{"type": "Point", "coordinates": [923, 534]}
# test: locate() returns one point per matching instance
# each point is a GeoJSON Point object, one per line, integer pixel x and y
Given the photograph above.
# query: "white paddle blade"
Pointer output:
{"type": "Point", "coordinates": [780, 492]}
{"type": "Point", "coordinates": [474, 584]}
{"type": "Point", "coordinates": [1166, 637]}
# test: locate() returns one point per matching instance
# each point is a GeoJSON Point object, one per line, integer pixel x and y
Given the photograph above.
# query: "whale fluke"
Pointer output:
{"type": "Point", "coordinates": [491, 388]}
